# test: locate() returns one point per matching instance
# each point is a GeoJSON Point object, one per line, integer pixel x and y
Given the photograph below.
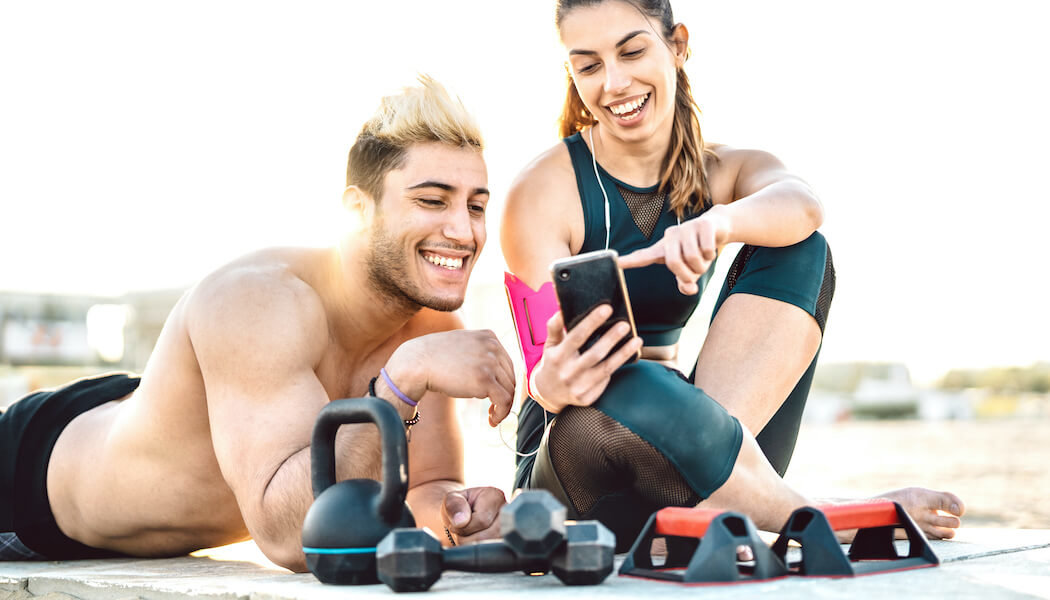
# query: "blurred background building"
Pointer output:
{"type": "Point", "coordinates": [49, 339]}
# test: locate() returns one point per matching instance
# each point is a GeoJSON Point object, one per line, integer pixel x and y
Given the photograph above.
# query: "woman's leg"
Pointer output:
{"type": "Point", "coordinates": [654, 440]}
{"type": "Point", "coordinates": [757, 353]}
{"type": "Point", "coordinates": [760, 352]}
{"type": "Point", "coordinates": [758, 362]}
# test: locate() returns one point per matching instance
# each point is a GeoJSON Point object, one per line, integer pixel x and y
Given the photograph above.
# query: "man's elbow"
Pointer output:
{"type": "Point", "coordinates": [284, 553]}
{"type": "Point", "coordinates": [280, 542]}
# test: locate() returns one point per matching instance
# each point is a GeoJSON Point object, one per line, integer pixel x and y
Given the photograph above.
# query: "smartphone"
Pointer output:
{"type": "Point", "coordinates": [583, 282]}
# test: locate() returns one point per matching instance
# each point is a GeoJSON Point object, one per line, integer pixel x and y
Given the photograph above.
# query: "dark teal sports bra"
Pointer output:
{"type": "Point", "coordinates": [660, 310]}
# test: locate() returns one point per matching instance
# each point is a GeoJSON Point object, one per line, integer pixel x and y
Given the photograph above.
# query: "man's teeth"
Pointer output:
{"type": "Point", "coordinates": [622, 109]}
{"type": "Point", "coordinates": [442, 261]}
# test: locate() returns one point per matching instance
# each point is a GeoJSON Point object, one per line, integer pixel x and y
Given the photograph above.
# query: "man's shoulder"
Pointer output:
{"type": "Point", "coordinates": [263, 291]}
{"type": "Point", "coordinates": [264, 276]}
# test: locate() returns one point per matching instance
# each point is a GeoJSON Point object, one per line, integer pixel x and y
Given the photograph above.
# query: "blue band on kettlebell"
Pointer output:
{"type": "Point", "coordinates": [308, 550]}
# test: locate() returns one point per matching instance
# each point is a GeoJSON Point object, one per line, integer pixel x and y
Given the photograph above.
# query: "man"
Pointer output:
{"type": "Point", "coordinates": [211, 446]}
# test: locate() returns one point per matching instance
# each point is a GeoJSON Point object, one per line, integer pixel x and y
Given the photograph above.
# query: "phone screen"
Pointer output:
{"type": "Point", "coordinates": [585, 281]}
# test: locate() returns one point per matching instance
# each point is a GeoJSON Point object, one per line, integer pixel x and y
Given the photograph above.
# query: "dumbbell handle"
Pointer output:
{"type": "Point", "coordinates": [491, 556]}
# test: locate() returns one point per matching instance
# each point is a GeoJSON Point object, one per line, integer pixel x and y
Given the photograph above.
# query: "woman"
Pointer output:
{"type": "Point", "coordinates": [634, 174]}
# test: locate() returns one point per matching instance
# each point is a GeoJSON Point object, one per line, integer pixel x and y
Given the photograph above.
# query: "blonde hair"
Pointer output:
{"type": "Point", "coordinates": [426, 113]}
{"type": "Point", "coordinates": [684, 168]}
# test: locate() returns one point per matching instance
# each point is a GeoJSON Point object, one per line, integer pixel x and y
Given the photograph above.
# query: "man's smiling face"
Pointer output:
{"type": "Point", "coordinates": [429, 226]}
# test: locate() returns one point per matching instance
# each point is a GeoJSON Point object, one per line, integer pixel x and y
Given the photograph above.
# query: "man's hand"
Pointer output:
{"type": "Point", "coordinates": [687, 249]}
{"type": "Point", "coordinates": [460, 364]}
{"type": "Point", "coordinates": [471, 515]}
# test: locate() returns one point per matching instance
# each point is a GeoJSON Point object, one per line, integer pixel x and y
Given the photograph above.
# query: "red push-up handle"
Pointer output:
{"type": "Point", "coordinates": [684, 522]}
{"type": "Point", "coordinates": [861, 516]}
{"type": "Point", "coordinates": [873, 549]}
{"type": "Point", "coordinates": [702, 547]}
{"type": "Point", "coordinates": [693, 522]}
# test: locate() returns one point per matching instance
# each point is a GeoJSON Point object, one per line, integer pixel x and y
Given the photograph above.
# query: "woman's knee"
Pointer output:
{"type": "Point", "coordinates": [696, 434]}
{"type": "Point", "coordinates": [802, 274]}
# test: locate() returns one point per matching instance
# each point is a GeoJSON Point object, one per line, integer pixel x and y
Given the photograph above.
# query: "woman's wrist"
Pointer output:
{"type": "Point", "coordinates": [725, 215]}
{"type": "Point", "coordinates": [535, 393]}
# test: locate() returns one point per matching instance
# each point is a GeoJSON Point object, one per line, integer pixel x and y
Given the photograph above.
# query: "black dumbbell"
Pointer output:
{"type": "Point", "coordinates": [586, 555]}
{"type": "Point", "coordinates": [532, 526]}
{"type": "Point", "coordinates": [411, 560]}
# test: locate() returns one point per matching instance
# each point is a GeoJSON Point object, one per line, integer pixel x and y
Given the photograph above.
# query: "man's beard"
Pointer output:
{"type": "Point", "coordinates": [387, 272]}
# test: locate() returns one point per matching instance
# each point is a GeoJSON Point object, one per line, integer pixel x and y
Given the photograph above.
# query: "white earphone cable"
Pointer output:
{"type": "Point", "coordinates": [594, 163]}
{"type": "Point", "coordinates": [608, 230]}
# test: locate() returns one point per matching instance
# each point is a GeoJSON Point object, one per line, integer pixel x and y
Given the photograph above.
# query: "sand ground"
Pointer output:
{"type": "Point", "coordinates": [998, 467]}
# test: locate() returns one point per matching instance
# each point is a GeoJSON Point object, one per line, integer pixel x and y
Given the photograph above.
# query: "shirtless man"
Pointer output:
{"type": "Point", "coordinates": [212, 444]}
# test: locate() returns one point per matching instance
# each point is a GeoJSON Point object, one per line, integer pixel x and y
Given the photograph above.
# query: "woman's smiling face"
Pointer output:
{"type": "Point", "coordinates": [624, 69]}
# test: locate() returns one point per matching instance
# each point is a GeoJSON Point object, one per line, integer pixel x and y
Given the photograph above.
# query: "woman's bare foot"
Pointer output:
{"type": "Point", "coordinates": [936, 513]}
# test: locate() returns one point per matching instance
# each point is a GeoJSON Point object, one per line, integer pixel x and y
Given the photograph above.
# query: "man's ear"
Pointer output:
{"type": "Point", "coordinates": [357, 200]}
{"type": "Point", "coordinates": [359, 205]}
{"type": "Point", "coordinates": [680, 39]}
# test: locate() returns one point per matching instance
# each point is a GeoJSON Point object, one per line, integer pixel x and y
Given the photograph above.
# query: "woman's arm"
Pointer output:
{"type": "Point", "coordinates": [542, 217]}
{"type": "Point", "coordinates": [756, 201]}
{"type": "Point", "coordinates": [766, 205]}
{"type": "Point", "coordinates": [542, 222]}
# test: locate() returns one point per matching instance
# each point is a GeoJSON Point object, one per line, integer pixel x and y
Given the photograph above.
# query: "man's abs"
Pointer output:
{"type": "Point", "coordinates": [118, 479]}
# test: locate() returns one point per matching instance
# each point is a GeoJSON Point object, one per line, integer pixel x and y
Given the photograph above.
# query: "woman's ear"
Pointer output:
{"type": "Point", "coordinates": [680, 39]}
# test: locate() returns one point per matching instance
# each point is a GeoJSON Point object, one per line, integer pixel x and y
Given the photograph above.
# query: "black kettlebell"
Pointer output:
{"type": "Point", "coordinates": [347, 519]}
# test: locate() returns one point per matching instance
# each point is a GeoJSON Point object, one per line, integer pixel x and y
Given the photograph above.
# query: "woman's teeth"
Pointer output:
{"type": "Point", "coordinates": [629, 110]}
{"type": "Point", "coordinates": [442, 261]}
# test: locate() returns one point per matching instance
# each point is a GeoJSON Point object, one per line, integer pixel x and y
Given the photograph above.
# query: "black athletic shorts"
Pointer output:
{"type": "Point", "coordinates": [29, 429]}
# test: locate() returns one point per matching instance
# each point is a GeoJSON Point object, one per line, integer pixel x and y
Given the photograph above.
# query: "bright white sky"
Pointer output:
{"type": "Point", "coordinates": [144, 143]}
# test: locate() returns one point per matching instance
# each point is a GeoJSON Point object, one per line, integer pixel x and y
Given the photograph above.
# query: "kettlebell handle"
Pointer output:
{"type": "Point", "coordinates": [392, 441]}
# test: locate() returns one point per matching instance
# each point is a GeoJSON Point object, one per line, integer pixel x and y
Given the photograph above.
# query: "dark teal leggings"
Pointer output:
{"type": "Point", "coordinates": [686, 427]}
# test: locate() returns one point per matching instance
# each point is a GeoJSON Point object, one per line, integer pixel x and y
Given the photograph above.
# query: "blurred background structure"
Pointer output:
{"type": "Point", "coordinates": [47, 340]}
{"type": "Point", "coordinates": [144, 144]}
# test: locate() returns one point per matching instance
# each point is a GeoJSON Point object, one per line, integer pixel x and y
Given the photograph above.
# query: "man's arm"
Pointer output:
{"type": "Point", "coordinates": [435, 458]}
{"type": "Point", "coordinates": [435, 449]}
{"type": "Point", "coordinates": [258, 338]}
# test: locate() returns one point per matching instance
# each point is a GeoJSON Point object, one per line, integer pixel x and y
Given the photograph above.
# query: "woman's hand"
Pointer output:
{"type": "Point", "coordinates": [566, 377]}
{"type": "Point", "coordinates": [687, 249]}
